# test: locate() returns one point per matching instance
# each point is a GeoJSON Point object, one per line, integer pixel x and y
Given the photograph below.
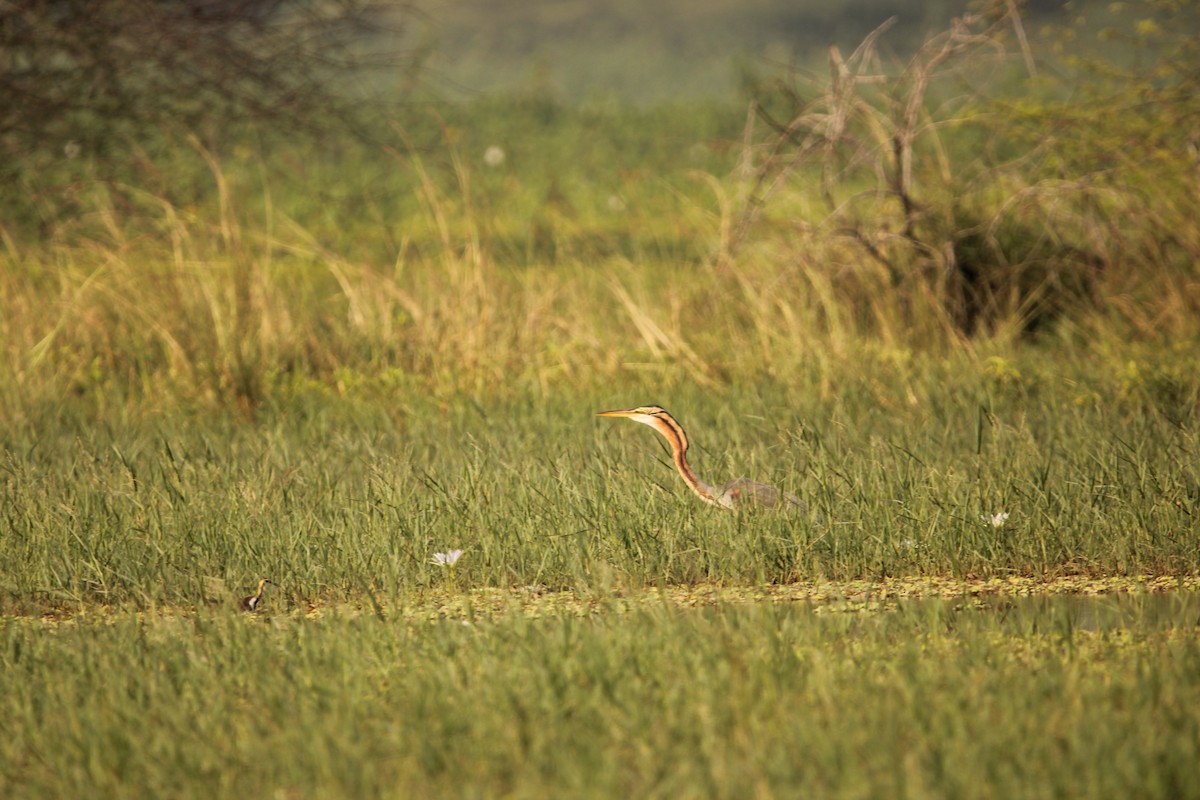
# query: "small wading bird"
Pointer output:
{"type": "Point", "coordinates": [738, 493]}
{"type": "Point", "coordinates": [251, 602]}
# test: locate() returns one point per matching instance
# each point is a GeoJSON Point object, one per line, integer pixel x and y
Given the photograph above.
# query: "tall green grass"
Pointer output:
{"type": "Point", "coordinates": [1039, 698]}
{"type": "Point", "coordinates": [345, 496]}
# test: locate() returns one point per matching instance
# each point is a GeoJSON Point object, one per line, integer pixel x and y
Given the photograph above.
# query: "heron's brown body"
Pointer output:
{"type": "Point", "coordinates": [738, 493]}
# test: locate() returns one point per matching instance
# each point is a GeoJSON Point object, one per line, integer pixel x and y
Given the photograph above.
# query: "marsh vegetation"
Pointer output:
{"type": "Point", "coordinates": [948, 298]}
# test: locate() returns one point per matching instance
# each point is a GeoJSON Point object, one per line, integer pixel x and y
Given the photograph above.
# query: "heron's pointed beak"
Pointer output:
{"type": "Point", "coordinates": [629, 412]}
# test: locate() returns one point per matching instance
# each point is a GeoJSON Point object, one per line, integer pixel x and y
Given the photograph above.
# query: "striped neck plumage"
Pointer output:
{"type": "Point", "coordinates": [673, 432]}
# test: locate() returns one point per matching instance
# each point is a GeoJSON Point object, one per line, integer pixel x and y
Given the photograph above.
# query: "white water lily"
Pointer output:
{"type": "Point", "coordinates": [447, 559]}
{"type": "Point", "coordinates": [996, 520]}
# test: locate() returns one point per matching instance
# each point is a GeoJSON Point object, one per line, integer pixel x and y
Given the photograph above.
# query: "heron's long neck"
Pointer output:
{"type": "Point", "coordinates": [673, 432]}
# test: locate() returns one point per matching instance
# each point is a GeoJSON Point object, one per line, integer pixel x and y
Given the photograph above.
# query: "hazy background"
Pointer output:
{"type": "Point", "coordinates": [662, 50]}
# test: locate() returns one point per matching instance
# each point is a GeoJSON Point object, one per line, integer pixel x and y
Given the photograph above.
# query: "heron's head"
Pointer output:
{"type": "Point", "coordinates": [656, 417]}
{"type": "Point", "coordinates": [647, 415]}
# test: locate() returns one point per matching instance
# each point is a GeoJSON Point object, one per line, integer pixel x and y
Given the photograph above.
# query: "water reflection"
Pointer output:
{"type": "Point", "coordinates": [1100, 613]}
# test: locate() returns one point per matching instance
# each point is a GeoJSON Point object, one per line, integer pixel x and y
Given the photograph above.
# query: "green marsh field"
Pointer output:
{"type": "Point", "coordinates": [948, 296]}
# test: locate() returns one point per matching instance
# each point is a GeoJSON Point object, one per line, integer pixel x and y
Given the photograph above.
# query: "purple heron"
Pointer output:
{"type": "Point", "coordinates": [738, 493]}
{"type": "Point", "coordinates": [251, 602]}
